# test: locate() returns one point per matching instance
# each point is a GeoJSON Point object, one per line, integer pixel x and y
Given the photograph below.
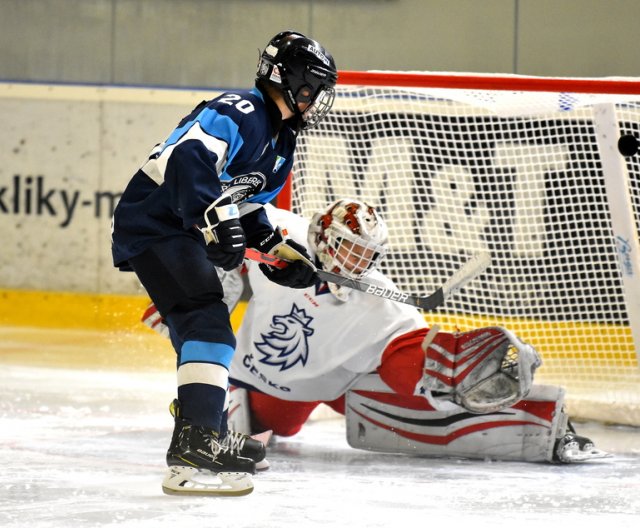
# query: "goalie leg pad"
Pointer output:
{"type": "Point", "coordinates": [239, 421]}
{"type": "Point", "coordinates": [239, 412]}
{"type": "Point", "coordinates": [380, 420]}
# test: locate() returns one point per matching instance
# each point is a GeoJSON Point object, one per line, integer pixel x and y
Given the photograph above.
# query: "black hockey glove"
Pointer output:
{"type": "Point", "coordinates": [300, 273]}
{"type": "Point", "coordinates": [224, 235]}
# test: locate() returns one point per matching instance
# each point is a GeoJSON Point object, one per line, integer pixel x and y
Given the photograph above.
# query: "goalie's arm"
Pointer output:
{"type": "Point", "coordinates": [482, 370]}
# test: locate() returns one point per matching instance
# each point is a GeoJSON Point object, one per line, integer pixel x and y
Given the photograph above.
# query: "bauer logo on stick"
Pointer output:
{"type": "Point", "coordinates": [386, 293]}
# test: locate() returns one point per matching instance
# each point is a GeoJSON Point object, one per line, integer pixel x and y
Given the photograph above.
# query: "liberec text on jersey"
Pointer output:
{"type": "Point", "coordinates": [29, 195]}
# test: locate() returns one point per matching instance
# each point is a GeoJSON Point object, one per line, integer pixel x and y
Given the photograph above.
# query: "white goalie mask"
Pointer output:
{"type": "Point", "coordinates": [349, 238]}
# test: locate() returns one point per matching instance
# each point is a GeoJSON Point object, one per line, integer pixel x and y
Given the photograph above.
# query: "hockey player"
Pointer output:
{"type": "Point", "coordinates": [403, 387]}
{"type": "Point", "coordinates": [197, 203]}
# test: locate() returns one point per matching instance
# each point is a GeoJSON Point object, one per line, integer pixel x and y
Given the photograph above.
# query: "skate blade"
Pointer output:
{"type": "Point", "coordinates": [575, 456]}
{"type": "Point", "coordinates": [184, 480]}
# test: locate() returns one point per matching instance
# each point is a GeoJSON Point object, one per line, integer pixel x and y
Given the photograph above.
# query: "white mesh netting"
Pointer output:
{"type": "Point", "coordinates": [518, 174]}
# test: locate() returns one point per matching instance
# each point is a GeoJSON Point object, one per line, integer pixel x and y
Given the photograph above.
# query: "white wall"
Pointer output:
{"type": "Point", "coordinates": [214, 43]}
{"type": "Point", "coordinates": [66, 153]}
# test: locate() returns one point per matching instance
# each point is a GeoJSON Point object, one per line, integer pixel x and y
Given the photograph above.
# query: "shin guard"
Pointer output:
{"type": "Point", "coordinates": [381, 420]}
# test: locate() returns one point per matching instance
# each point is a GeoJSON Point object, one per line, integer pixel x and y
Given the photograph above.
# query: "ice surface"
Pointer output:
{"type": "Point", "coordinates": [85, 447]}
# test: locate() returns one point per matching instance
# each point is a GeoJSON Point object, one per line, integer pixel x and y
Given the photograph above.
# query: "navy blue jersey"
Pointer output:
{"type": "Point", "coordinates": [235, 144]}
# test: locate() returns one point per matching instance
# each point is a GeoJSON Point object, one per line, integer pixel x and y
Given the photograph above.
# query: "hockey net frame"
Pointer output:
{"type": "Point", "coordinates": [526, 168]}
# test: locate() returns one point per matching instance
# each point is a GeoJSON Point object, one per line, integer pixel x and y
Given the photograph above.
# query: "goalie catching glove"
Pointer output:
{"type": "Point", "coordinates": [224, 236]}
{"type": "Point", "coordinates": [299, 273]}
{"type": "Point", "coordinates": [484, 370]}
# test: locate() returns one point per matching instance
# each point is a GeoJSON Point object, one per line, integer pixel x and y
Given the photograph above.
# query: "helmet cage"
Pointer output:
{"type": "Point", "coordinates": [319, 108]}
{"type": "Point", "coordinates": [349, 255]}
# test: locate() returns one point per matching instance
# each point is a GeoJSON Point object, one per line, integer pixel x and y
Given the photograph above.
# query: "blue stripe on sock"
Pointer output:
{"type": "Point", "coordinates": [203, 352]}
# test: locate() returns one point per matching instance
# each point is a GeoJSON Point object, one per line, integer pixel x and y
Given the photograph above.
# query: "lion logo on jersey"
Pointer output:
{"type": "Point", "coordinates": [286, 344]}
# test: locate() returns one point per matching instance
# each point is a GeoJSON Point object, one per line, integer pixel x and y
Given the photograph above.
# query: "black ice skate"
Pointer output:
{"type": "Point", "coordinates": [244, 445]}
{"type": "Point", "coordinates": [199, 447]}
{"type": "Point", "coordinates": [200, 465]}
{"type": "Point", "coordinates": [572, 448]}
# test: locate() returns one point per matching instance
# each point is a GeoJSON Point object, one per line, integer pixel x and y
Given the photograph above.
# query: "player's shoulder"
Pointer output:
{"type": "Point", "coordinates": [239, 104]}
{"type": "Point", "coordinates": [284, 217]}
{"type": "Point", "coordinates": [236, 114]}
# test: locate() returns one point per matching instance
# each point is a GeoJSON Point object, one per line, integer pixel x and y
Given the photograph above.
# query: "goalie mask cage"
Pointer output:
{"type": "Point", "coordinates": [526, 168]}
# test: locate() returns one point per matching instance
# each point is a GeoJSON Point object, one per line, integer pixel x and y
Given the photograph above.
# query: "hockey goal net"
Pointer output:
{"type": "Point", "coordinates": [525, 168]}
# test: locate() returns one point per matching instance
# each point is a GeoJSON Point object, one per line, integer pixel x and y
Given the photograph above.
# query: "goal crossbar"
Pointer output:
{"type": "Point", "coordinates": [491, 82]}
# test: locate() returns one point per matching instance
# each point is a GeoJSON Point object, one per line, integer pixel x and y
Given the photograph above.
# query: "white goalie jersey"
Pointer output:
{"type": "Point", "coordinates": [283, 345]}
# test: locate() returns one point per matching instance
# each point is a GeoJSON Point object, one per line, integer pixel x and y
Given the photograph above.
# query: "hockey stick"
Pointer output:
{"type": "Point", "coordinates": [469, 270]}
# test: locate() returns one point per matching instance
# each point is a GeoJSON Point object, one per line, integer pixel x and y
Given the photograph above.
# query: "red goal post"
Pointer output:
{"type": "Point", "coordinates": [526, 168]}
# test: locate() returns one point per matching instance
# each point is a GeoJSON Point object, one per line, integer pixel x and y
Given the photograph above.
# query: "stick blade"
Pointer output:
{"type": "Point", "coordinates": [469, 271]}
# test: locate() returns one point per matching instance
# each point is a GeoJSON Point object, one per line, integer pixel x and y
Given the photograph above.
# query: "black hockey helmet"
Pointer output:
{"type": "Point", "coordinates": [303, 71]}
